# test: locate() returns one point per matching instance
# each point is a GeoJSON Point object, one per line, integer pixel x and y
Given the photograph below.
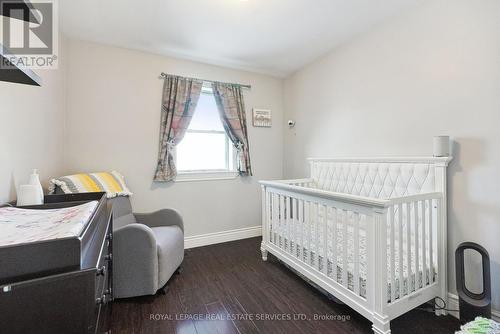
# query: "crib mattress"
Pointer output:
{"type": "Point", "coordinates": [335, 265]}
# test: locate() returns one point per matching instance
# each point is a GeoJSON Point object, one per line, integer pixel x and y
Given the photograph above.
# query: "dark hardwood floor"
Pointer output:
{"type": "Point", "coordinates": [227, 288]}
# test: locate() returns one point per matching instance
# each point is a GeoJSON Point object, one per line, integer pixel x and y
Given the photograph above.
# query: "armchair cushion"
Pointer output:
{"type": "Point", "coordinates": [170, 243]}
{"type": "Point", "coordinates": [135, 261]}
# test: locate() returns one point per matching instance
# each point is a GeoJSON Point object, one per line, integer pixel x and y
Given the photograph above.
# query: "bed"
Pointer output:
{"type": "Point", "coordinates": [369, 231]}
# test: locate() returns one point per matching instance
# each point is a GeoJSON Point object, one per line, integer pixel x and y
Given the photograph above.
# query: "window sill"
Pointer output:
{"type": "Point", "coordinates": [205, 176]}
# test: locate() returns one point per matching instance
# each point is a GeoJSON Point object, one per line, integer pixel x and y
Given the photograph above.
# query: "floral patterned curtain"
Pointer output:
{"type": "Point", "coordinates": [180, 97]}
{"type": "Point", "coordinates": [229, 99]}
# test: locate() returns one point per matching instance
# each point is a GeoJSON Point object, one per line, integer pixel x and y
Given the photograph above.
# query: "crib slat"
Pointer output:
{"type": "Point", "coordinates": [268, 215]}
{"type": "Point", "coordinates": [325, 241]}
{"type": "Point", "coordinates": [317, 209]}
{"type": "Point", "coordinates": [301, 227]}
{"type": "Point", "coordinates": [295, 210]}
{"type": "Point", "coordinates": [356, 253]}
{"type": "Point", "coordinates": [308, 224]}
{"type": "Point", "coordinates": [304, 231]}
{"type": "Point", "coordinates": [439, 245]}
{"type": "Point", "coordinates": [417, 265]}
{"type": "Point", "coordinates": [431, 242]}
{"type": "Point", "coordinates": [334, 244]}
{"type": "Point", "coordinates": [408, 246]}
{"type": "Point", "coordinates": [271, 216]}
{"type": "Point", "coordinates": [424, 254]}
{"type": "Point", "coordinates": [285, 223]}
{"type": "Point", "coordinates": [291, 217]}
{"type": "Point", "coordinates": [282, 222]}
{"type": "Point", "coordinates": [344, 220]}
{"type": "Point", "coordinates": [294, 226]}
{"type": "Point", "coordinates": [274, 220]}
{"type": "Point", "coordinates": [392, 252]}
{"type": "Point", "coordinates": [412, 246]}
{"type": "Point", "coordinates": [400, 250]}
{"type": "Point", "coordinates": [288, 220]}
{"type": "Point", "coordinates": [312, 226]}
{"type": "Point", "coordinates": [274, 217]}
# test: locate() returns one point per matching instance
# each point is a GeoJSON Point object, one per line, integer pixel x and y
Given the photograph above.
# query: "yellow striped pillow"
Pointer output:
{"type": "Point", "coordinates": [110, 182]}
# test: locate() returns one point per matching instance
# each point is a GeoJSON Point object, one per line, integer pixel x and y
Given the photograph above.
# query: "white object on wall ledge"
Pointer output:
{"type": "Point", "coordinates": [28, 194]}
{"type": "Point", "coordinates": [31, 193]}
{"type": "Point", "coordinates": [441, 146]}
{"type": "Point", "coordinates": [262, 118]}
{"type": "Point", "coordinates": [35, 181]}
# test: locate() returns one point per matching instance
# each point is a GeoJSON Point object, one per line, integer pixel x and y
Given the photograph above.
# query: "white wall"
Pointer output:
{"type": "Point", "coordinates": [433, 71]}
{"type": "Point", "coordinates": [113, 121]}
{"type": "Point", "coordinates": [31, 129]}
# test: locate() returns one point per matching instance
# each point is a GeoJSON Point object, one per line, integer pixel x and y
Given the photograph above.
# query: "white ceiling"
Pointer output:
{"type": "Point", "coordinates": [270, 36]}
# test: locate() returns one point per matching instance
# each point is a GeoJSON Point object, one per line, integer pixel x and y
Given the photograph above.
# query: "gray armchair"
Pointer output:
{"type": "Point", "coordinates": [147, 249]}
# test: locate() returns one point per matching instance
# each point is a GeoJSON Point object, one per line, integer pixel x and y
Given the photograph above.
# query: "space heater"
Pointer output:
{"type": "Point", "coordinates": [472, 304]}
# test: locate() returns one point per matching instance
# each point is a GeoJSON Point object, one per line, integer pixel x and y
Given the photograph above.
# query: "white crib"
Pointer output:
{"type": "Point", "coordinates": [369, 231]}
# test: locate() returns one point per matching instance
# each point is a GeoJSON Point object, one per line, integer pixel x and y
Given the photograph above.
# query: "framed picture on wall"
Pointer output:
{"type": "Point", "coordinates": [262, 118]}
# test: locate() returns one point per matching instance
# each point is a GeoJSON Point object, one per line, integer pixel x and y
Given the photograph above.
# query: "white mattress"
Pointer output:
{"type": "Point", "coordinates": [362, 260]}
{"type": "Point", "coordinates": [19, 226]}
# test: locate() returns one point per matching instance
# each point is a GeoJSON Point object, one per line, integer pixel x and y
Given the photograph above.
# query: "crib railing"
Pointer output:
{"type": "Point", "coordinates": [370, 251]}
{"type": "Point", "coordinates": [412, 226]}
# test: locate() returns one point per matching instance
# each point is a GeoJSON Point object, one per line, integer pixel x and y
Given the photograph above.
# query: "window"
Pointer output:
{"type": "Point", "coordinates": [205, 151]}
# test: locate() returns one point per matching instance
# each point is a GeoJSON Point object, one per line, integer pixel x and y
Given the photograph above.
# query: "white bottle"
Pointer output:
{"type": "Point", "coordinates": [35, 181]}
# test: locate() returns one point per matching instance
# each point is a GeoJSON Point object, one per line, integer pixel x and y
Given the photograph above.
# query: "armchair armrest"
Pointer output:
{"type": "Point", "coordinates": [164, 217]}
{"type": "Point", "coordinates": [136, 265]}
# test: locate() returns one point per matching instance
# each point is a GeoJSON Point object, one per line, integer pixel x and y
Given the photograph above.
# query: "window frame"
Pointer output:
{"type": "Point", "coordinates": [211, 174]}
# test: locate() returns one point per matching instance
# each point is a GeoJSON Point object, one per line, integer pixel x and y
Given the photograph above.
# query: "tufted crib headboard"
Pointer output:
{"type": "Point", "coordinates": [382, 178]}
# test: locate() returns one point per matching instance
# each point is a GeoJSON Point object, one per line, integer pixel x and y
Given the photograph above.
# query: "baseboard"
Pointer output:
{"type": "Point", "coordinates": [224, 236]}
{"type": "Point", "coordinates": [453, 305]}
